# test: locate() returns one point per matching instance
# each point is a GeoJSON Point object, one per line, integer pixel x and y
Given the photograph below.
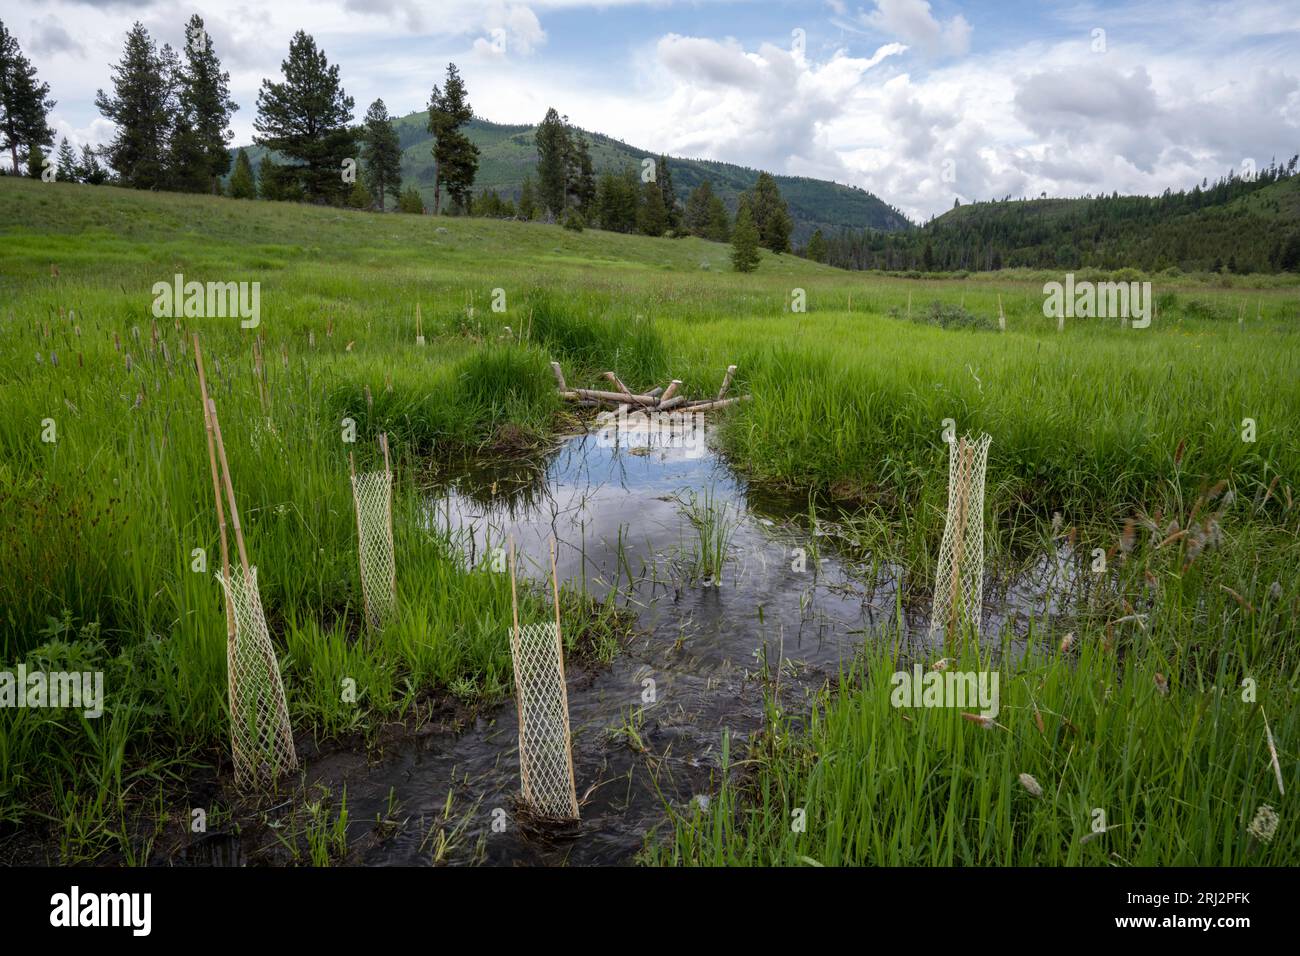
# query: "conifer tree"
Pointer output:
{"type": "Point", "coordinates": [24, 102]}
{"type": "Point", "coordinates": [552, 163]}
{"type": "Point", "coordinates": [817, 247]}
{"type": "Point", "coordinates": [455, 157]}
{"type": "Point", "coordinates": [242, 184]}
{"type": "Point", "coordinates": [141, 109]}
{"type": "Point", "coordinates": [89, 171]}
{"type": "Point", "coordinates": [382, 154]}
{"type": "Point", "coordinates": [66, 162]}
{"type": "Point", "coordinates": [204, 108]}
{"type": "Point", "coordinates": [771, 216]}
{"type": "Point", "coordinates": [307, 118]}
{"type": "Point", "coordinates": [527, 199]}
{"type": "Point", "coordinates": [744, 240]}
{"type": "Point", "coordinates": [652, 217]}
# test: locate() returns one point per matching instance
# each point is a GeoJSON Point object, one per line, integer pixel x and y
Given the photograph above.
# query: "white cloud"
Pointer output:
{"type": "Point", "coordinates": [912, 22]}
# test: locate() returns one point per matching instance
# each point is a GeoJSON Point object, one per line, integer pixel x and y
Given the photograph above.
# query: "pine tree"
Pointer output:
{"type": "Point", "coordinates": [35, 161]}
{"type": "Point", "coordinates": [552, 155]}
{"type": "Point", "coordinates": [527, 199]}
{"type": "Point", "coordinates": [141, 108]}
{"type": "Point", "coordinates": [664, 177]}
{"type": "Point", "coordinates": [242, 184]}
{"type": "Point", "coordinates": [744, 240]}
{"type": "Point", "coordinates": [696, 216]}
{"type": "Point", "coordinates": [276, 182]}
{"type": "Point", "coordinates": [455, 157]}
{"type": "Point", "coordinates": [24, 101]}
{"type": "Point", "coordinates": [652, 217]}
{"type": "Point", "coordinates": [817, 247]}
{"type": "Point", "coordinates": [67, 163]}
{"type": "Point", "coordinates": [410, 201]}
{"type": "Point", "coordinates": [201, 155]}
{"type": "Point", "coordinates": [616, 200]}
{"type": "Point", "coordinates": [307, 118]}
{"type": "Point", "coordinates": [580, 176]}
{"type": "Point", "coordinates": [382, 154]}
{"type": "Point", "coordinates": [360, 196]}
{"type": "Point", "coordinates": [719, 228]}
{"type": "Point", "coordinates": [771, 216]}
{"type": "Point", "coordinates": [89, 171]}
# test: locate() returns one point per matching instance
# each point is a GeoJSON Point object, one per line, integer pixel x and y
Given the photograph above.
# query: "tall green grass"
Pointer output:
{"type": "Point", "coordinates": [1098, 423]}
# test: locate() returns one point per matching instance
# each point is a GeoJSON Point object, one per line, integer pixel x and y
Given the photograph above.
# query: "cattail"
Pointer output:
{"type": "Point", "coordinates": [1162, 684]}
{"type": "Point", "coordinates": [349, 345]}
{"type": "Point", "coordinates": [128, 361]}
{"type": "Point", "coordinates": [1275, 591]}
{"type": "Point", "coordinates": [988, 723]}
{"type": "Point", "coordinates": [1067, 642]}
{"type": "Point", "coordinates": [1126, 537]}
{"type": "Point", "coordinates": [1264, 825]}
{"type": "Point", "coordinates": [1030, 784]}
{"type": "Point", "coordinates": [941, 664]}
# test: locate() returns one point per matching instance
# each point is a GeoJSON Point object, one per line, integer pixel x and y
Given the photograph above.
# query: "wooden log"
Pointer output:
{"type": "Point", "coordinates": [610, 376]}
{"type": "Point", "coordinates": [617, 398]}
{"type": "Point", "coordinates": [670, 390]}
{"type": "Point", "coordinates": [717, 403]}
{"type": "Point", "coordinates": [726, 381]}
{"type": "Point", "coordinates": [559, 376]}
{"type": "Point", "coordinates": [656, 391]}
{"type": "Point", "coordinates": [672, 403]}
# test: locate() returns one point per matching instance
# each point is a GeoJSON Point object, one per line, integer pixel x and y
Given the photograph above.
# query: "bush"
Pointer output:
{"type": "Point", "coordinates": [573, 220]}
{"type": "Point", "coordinates": [410, 201]}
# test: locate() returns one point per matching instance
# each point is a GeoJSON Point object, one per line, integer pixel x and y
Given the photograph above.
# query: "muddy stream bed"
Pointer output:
{"type": "Point", "coordinates": [617, 504]}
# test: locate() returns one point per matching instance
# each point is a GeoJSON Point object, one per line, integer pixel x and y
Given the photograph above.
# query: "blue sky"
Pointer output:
{"type": "Point", "coordinates": [923, 103]}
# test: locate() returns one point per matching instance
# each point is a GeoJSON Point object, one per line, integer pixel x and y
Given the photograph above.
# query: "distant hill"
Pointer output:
{"type": "Point", "coordinates": [1241, 225]}
{"type": "Point", "coordinates": [508, 153]}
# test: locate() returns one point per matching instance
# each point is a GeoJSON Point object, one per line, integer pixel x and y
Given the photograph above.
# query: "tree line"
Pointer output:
{"type": "Point", "coordinates": [1192, 230]}
{"type": "Point", "coordinates": [171, 113]}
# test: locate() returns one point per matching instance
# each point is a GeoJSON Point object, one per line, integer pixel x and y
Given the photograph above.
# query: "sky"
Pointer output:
{"type": "Point", "coordinates": [922, 103]}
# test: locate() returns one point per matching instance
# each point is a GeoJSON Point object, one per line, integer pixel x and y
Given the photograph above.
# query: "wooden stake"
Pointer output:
{"type": "Point", "coordinates": [726, 381]}
{"type": "Point", "coordinates": [564, 686]}
{"type": "Point", "coordinates": [216, 491]}
{"type": "Point", "coordinates": [670, 390]}
{"type": "Point", "coordinates": [516, 641]}
{"type": "Point", "coordinates": [361, 557]}
{"type": "Point", "coordinates": [230, 488]}
{"type": "Point", "coordinates": [559, 376]}
{"type": "Point", "coordinates": [610, 376]}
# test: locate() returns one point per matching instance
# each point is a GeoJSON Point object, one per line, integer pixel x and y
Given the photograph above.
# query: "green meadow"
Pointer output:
{"type": "Point", "coordinates": [1172, 449]}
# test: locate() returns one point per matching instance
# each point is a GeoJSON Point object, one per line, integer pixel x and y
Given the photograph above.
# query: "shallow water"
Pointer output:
{"type": "Point", "coordinates": [616, 505]}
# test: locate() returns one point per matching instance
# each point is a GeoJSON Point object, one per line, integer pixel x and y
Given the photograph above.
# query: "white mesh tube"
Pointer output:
{"type": "Point", "coordinates": [545, 754]}
{"type": "Point", "coordinates": [959, 582]}
{"type": "Point", "coordinates": [373, 494]}
{"type": "Point", "coordinates": [261, 737]}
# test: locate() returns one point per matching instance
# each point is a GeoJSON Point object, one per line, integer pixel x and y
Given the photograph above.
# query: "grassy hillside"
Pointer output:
{"type": "Point", "coordinates": [1099, 424]}
{"type": "Point", "coordinates": [509, 153]}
